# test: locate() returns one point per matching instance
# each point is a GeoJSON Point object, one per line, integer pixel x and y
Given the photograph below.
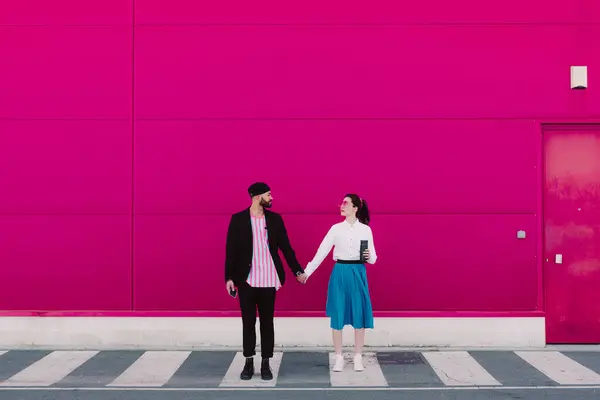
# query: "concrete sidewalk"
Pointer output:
{"type": "Point", "coordinates": [178, 333]}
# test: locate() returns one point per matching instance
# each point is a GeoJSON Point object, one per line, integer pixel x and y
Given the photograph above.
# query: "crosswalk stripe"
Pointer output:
{"type": "Point", "coordinates": [50, 369]}
{"type": "Point", "coordinates": [458, 368]}
{"type": "Point", "coordinates": [560, 368]}
{"type": "Point", "coordinates": [152, 369]}
{"type": "Point", "coordinates": [232, 376]}
{"type": "Point", "coordinates": [372, 375]}
{"type": "Point", "coordinates": [450, 368]}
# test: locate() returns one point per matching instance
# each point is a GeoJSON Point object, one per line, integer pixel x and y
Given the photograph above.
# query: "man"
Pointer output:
{"type": "Point", "coordinates": [253, 266]}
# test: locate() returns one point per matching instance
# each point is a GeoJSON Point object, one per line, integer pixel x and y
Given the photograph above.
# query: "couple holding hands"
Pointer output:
{"type": "Point", "coordinates": [254, 273]}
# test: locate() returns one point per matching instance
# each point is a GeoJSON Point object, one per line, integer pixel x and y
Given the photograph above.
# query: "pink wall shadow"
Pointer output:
{"type": "Point", "coordinates": [125, 149]}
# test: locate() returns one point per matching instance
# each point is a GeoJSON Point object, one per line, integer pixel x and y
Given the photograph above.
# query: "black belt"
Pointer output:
{"type": "Point", "coordinates": [350, 262]}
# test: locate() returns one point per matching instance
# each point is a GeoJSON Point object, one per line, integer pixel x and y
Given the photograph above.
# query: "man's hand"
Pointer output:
{"type": "Point", "coordinates": [302, 278]}
{"type": "Point", "coordinates": [229, 286]}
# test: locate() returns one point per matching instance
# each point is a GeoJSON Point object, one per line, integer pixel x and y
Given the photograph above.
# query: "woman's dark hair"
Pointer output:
{"type": "Point", "coordinates": [363, 211]}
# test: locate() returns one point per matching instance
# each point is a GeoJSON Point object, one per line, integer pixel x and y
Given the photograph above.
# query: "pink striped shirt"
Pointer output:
{"type": "Point", "coordinates": [263, 272]}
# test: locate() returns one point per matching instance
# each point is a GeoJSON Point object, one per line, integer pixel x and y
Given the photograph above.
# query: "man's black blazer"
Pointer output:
{"type": "Point", "coordinates": [238, 254]}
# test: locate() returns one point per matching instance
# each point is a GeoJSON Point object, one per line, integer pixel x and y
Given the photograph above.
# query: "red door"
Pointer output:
{"type": "Point", "coordinates": [572, 234]}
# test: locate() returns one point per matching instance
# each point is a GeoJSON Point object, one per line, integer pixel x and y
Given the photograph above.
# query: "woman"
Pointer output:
{"type": "Point", "coordinates": [348, 299]}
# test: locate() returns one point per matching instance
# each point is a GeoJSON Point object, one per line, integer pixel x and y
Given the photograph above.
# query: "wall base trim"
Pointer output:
{"type": "Point", "coordinates": [191, 333]}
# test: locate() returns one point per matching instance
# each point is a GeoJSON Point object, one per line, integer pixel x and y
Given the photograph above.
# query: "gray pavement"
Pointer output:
{"type": "Point", "coordinates": [428, 374]}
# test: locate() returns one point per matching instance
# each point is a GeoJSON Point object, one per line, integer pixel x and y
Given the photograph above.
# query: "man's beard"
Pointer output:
{"type": "Point", "coordinates": [265, 204]}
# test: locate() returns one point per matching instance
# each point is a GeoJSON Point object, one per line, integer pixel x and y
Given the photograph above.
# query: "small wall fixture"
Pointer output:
{"type": "Point", "coordinates": [579, 77]}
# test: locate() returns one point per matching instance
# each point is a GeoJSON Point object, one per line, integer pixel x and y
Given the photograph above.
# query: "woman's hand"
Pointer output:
{"type": "Point", "coordinates": [366, 254]}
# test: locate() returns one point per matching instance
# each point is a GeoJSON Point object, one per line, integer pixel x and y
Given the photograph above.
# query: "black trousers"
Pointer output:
{"type": "Point", "coordinates": [252, 298]}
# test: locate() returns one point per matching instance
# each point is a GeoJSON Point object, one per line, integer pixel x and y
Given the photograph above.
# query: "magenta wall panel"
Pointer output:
{"type": "Point", "coordinates": [70, 166]}
{"type": "Point", "coordinates": [66, 155]}
{"type": "Point", "coordinates": [175, 12]}
{"type": "Point", "coordinates": [456, 262]}
{"type": "Point", "coordinates": [50, 72]}
{"type": "Point", "coordinates": [66, 12]}
{"type": "Point", "coordinates": [126, 145]}
{"type": "Point", "coordinates": [65, 262]}
{"type": "Point", "coordinates": [405, 166]}
{"type": "Point", "coordinates": [433, 260]}
{"type": "Point", "coordinates": [178, 262]}
{"type": "Point", "coordinates": [493, 71]}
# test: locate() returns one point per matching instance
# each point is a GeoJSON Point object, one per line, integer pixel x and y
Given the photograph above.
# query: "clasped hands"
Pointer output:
{"type": "Point", "coordinates": [302, 277]}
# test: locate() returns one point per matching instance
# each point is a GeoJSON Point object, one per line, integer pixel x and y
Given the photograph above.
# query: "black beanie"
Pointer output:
{"type": "Point", "coordinates": [258, 188]}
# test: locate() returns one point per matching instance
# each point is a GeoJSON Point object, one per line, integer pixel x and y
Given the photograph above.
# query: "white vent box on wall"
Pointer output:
{"type": "Point", "coordinates": [579, 77]}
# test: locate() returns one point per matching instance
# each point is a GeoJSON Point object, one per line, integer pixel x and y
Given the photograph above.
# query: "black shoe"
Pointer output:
{"type": "Point", "coordinates": [248, 370]}
{"type": "Point", "coordinates": [265, 370]}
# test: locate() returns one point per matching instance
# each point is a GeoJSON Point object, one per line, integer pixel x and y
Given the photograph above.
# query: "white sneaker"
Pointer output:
{"type": "Point", "coordinates": [358, 364]}
{"type": "Point", "coordinates": [339, 363]}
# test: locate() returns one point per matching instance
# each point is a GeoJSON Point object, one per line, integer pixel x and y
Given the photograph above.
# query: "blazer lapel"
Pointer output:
{"type": "Point", "coordinates": [248, 227]}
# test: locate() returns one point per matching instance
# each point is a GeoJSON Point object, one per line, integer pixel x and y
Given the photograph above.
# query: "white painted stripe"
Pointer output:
{"type": "Point", "coordinates": [50, 369]}
{"type": "Point", "coordinates": [152, 369]}
{"type": "Point", "coordinates": [560, 368]}
{"type": "Point", "coordinates": [232, 377]}
{"type": "Point", "coordinates": [371, 376]}
{"type": "Point", "coordinates": [458, 368]}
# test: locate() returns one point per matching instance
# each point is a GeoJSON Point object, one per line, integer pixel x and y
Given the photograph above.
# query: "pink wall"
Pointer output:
{"type": "Point", "coordinates": [125, 147]}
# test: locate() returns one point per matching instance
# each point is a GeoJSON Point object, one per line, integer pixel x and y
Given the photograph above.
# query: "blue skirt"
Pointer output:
{"type": "Point", "coordinates": [348, 299]}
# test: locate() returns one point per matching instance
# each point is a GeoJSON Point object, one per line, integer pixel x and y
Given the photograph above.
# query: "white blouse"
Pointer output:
{"type": "Point", "coordinates": [346, 239]}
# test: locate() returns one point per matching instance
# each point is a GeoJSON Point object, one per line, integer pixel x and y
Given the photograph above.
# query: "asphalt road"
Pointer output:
{"type": "Point", "coordinates": [312, 394]}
